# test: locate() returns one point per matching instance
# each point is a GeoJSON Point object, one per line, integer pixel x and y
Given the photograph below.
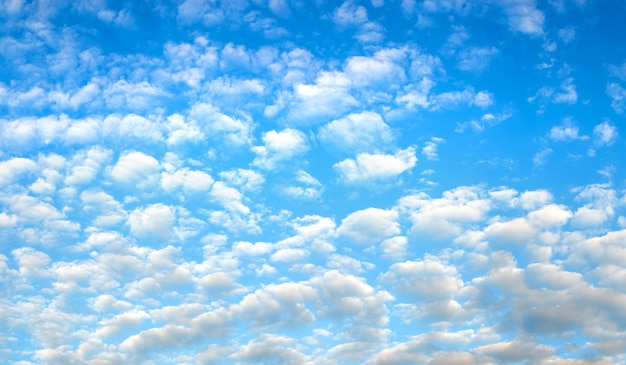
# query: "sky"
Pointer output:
{"type": "Point", "coordinates": [312, 182]}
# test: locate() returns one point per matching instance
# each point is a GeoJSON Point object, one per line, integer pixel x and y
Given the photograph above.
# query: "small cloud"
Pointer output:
{"type": "Point", "coordinates": [604, 134]}
{"type": "Point", "coordinates": [371, 168]}
{"type": "Point", "coordinates": [279, 147]}
{"type": "Point", "coordinates": [349, 14]}
{"type": "Point", "coordinates": [475, 58]}
{"type": "Point", "coordinates": [566, 95]}
{"type": "Point", "coordinates": [618, 94]}
{"type": "Point", "coordinates": [430, 148]}
{"type": "Point", "coordinates": [541, 157]}
{"type": "Point", "coordinates": [566, 132]}
{"type": "Point", "coordinates": [567, 34]}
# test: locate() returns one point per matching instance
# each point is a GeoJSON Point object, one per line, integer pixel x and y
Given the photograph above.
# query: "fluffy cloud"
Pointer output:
{"type": "Point", "coordinates": [356, 133]}
{"type": "Point", "coordinates": [369, 225]}
{"type": "Point", "coordinates": [375, 168]}
{"type": "Point", "coordinates": [604, 134]}
{"type": "Point", "coordinates": [136, 169]}
{"type": "Point", "coordinates": [155, 220]}
{"type": "Point", "coordinates": [279, 147]}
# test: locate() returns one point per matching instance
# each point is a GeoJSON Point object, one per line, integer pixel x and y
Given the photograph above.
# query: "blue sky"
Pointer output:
{"type": "Point", "coordinates": [312, 182]}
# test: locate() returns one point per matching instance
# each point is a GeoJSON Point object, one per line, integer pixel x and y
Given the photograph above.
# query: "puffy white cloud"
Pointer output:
{"type": "Point", "coordinates": [267, 348]}
{"type": "Point", "coordinates": [136, 169]}
{"type": "Point", "coordinates": [289, 255]}
{"type": "Point", "coordinates": [279, 147]}
{"type": "Point", "coordinates": [191, 181]}
{"type": "Point", "coordinates": [358, 132]}
{"type": "Point", "coordinates": [384, 69]}
{"type": "Point", "coordinates": [349, 296]}
{"type": "Point", "coordinates": [328, 97]}
{"type": "Point", "coordinates": [221, 127]}
{"type": "Point", "coordinates": [182, 132]}
{"type": "Point", "coordinates": [370, 168]}
{"type": "Point", "coordinates": [565, 132]}
{"type": "Point", "coordinates": [369, 225]}
{"type": "Point", "coordinates": [156, 220]}
{"type": "Point", "coordinates": [247, 180]}
{"type": "Point", "coordinates": [12, 169]}
{"type": "Point", "coordinates": [349, 14]}
{"type": "Point", "coordinates": [534, 199]}
{"type": "Point", "coordinates": [427, 280]}
{"type": "Point", "coordinates": [228, 197]}
{"type": "Point", "coordinates": [310, 187]}
{"type": "Point", "coordinates": [516, 231]}
{"type": "Point", "coordinates": [550, 215]}
{"type": "Point", "coordinates": [444, 217]}
{"type": "Point", "coordinates": [31, 263]}
{"type": "Point", "coordinates": [394, 248]}
{"type": "Point", "coordinates": [278, 306]}
{"type": "Point", "coordinates": [604, 134]}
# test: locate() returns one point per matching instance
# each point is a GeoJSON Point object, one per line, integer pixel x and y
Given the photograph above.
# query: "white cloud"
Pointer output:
{"type": "Point", "coordinates": [267, 348]}
{"type": "Point", "coordinates": [541, 157]}
{"type": "Point", "coordinates": [394, 248]}
{"type": "Point", "coordinates": [430, 148]}
{"type": "Point", "coordinates": [443, 218]}
{"type": "Point", "coordinates": [373, 168]}
{"type": "Point", "coordinates": [618, 94]}
{"type": "Point", "coordinates": [565, 132]}
{"type": "Point", "coordinates": [228, 197]}
{"type": "Point", "coordinates": [349, 14]}
{"type": "Point", "coordinates": [32, 263]}
{"type": "Point", "coordinates": [360, 132]}
{"type": "Point", "coordinates": [280, 147]}
{"type": "Point", "coordinates": [12, 169]}
{"type": "Point", "coordinates": [369, 226]}
{"type": "Point", "coordinates": [383, 70]}
{"type": "Point", "coordinates": [515, 231]}
{"type": "Point", "coordinates": [156, 220]}
{"type": "Point", "coordinates": [136, 169]}
{"type": "Point", "coordinates": [289, 255]}
{"type": "Point", "coordinates": [309, 188]}
{"type": "Point", "coordinates": [567, 34]}
{"type": "Point", "coordinates": [550, 215]}
{"type": "Point", "coordinates": [524, 17]}
{"type": "Point", "coordinates": [604, 134]}
{"type": "Point", "coordinates": [221, 127]}
{"type": "Point", "coordinates": [566, 95]}
{"type": "Point", "coordinates": [131, 125]}
{"type": "Point", "coordinates": [328, 97]}
{"type": "Point", "coordinates": [475, 58]}
{"type": "Point", "coordinates": [247, 180]}
{"type": "Point", "coordinates": [427, 280]}
{"type": "Point", "coordinates": [190, 181]}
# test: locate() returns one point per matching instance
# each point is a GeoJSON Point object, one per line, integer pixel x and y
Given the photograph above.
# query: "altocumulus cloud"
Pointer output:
{"type": "Point", "coordinates": [239, 182]}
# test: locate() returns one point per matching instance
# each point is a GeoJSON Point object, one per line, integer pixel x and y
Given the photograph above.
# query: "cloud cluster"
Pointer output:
{"type": "Point", "coordinates": [281, 182]}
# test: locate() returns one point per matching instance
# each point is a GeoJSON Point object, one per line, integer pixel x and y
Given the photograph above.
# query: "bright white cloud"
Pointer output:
{"type": "Point", "coordinates": [136, 169]}
{"type": "Point", "coordinates": [155, 220]}
{"type": "Point", "coordinates": [374, 168]}
{"type": "Point", "coordinates": [357, 133]}
{"type": "Point", "coordinates": [280, 147]}
{"type": "Point", "coordinates": [234, 181]}
{"type": "Point", "coordinates": [369, 225]}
